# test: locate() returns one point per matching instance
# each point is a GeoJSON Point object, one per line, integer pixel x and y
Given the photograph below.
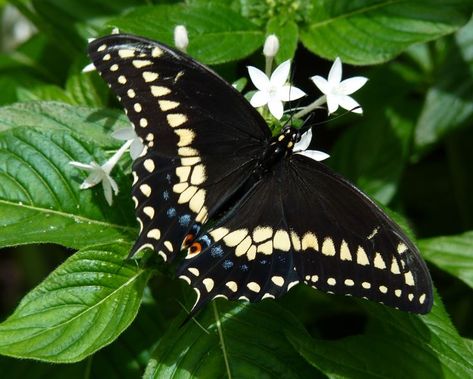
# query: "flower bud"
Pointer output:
{"type": "Point", "coordinates": [271, 46]}
{"type": "Point", "coordinates": [181, 40]}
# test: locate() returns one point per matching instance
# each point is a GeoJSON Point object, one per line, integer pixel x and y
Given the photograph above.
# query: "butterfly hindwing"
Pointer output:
{"type": "Point", "coordinates": [304, 223]}
{"type": "Point", "coordinates": [197, 152]}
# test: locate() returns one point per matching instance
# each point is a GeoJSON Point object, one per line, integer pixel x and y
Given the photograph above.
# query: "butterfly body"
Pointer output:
{"type": "Point", "coordinates": [253, 216]}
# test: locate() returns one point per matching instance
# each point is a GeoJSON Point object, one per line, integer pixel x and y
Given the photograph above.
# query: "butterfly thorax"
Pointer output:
{"type": "Point", "coordinates": [278, 147]}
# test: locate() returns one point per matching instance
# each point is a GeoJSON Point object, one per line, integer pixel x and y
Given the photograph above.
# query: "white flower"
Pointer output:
{"type": "Point", "coordinates": [89, 68]}
{"type": "Point", "coordinates": [271, 46]}
{"type": "Point", "coordinates": [301, 148]}
{"type": "Point", "coordinates": [337, 91]}
{"type": "Point", "coordinates": [101, 174]}
{"type": "Point", "coordinates": [181, 40]}
{"type": "Point", "coordinates": [273, 91]}
{"type": "Point", "coordinates": [129, 134]}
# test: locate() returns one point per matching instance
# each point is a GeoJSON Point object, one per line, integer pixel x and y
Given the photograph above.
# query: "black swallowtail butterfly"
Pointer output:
{"type": "Point", "coordinates": [254, 218]}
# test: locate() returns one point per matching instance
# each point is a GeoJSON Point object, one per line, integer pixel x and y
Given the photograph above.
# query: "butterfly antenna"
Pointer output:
{"type": "Point", "coordinates": [306, 127]}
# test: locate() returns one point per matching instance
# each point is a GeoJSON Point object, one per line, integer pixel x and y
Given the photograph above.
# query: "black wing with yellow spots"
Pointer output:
{"type": "Point", "coordinates": [253, 218]}
{"type": "Point", "coordinates": [197, 151]}
{"type": "Point", "coordinates": [303, 223]}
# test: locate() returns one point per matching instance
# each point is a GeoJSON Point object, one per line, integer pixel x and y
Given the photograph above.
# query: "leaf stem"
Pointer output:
{"type": "Point", "coordinates": [222, 341]}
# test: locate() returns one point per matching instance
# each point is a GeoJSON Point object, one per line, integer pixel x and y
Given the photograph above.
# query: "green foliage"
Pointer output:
{"type": "Point", "coordinates": [410, 151]}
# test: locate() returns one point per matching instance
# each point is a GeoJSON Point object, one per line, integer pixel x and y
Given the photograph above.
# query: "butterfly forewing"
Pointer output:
{"type": "Point", "coordinates": [197, 152]}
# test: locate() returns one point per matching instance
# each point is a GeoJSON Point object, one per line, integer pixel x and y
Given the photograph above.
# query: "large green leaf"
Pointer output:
{"type": "Point", "coordinates": [453, 254]}
{"type": "Point", "coordinates": [245, 341]}
{"type": "Point", "coordinates": [40, 199]}
{"type": "Point", "coordinates": [82, 306]}
{"type": "Point", "coordinates": [394, 344]}
{"type": "Point", "coordinates": [373, 151]}
{"type": "Point", "coordinates": [92, 124]}
{"type": "Point", "coordinates": [216, 34]}
{"type": "Point", "coordinates": [126, 357]}
{"type": "Point", "coordinates": [373, 31]}
{"type": "Point", "coordinates": [449, 105]}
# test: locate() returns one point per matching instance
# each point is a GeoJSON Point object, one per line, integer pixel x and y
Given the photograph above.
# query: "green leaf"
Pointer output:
{"type": "Point", "coordinates": [453, 254]}
{"type": "Point", "coordinates": [254, 345]}
{"type": "Point", "coordinates": [45, 92]}
{"type": "Point", "coordinates": [373, 31]}
{"type": "Point", "coordinates": [93, 125]}
{"type": "Point", "coordinates": [126, 357]}
{"type": "Point", "coordinates": [216, 34]}
{"type": "Point", "coordinates": [448, 105]}
{"type": "Point", "coordinates": [40, 199]}
{"type": "Point", "coordinates": [82, 306]}
{"type": "Point", "coordinates": [373, 152]}
{"type": "Point", "coordinates": [394, 342]}
{"type": "Point", "coordinates": [288, 35]}
{"type": "Point", "coordinates": [86, 88]}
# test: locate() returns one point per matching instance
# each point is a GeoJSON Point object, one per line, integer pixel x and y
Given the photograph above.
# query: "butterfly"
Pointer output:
{"type": "Point", "coordinates": [252, 218]}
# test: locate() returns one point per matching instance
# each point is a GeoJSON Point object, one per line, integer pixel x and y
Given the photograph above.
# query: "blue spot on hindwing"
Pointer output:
{"type": "Point", "coordinates": [227, 264]}
{"type": "Point", "coordinates": [166, 195]}
{"type": "Point", "coordinates": [244, 267]}
{"type": "Point", "coordinates": [216, 251]}
{"type": "Point", "coordinates": [184, 220]}
{"type": "Point", "coordinates": [171, 212]}
{"type": "Point", "coordinates": [205, 238]}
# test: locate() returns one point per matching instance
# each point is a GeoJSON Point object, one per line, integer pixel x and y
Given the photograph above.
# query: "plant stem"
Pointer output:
{"type": "Point", "coordinates": [222, 341]}
{"type": "Point", "coordinates": [321, 100]}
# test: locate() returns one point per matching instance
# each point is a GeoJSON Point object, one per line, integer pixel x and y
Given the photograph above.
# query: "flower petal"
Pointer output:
{"type": "Point", "coordinates": [316, 155]}
{"type": "Point", "coordinates": [280, 75]}
{"type": "Point", "coordinates": [349, 104]}
{"type": "Point", "coordinates": [136, 148]}
{"type": "Point", "coordinates": [276, 108]}
{"type": "Point", "coordinates": [259, 79]}
{"type": "Point", "coordinates": [290, 93]}
{"type": "Point", "coordinates": [335, 74]}
{"type": "Point", "coordinates": [332, 103]}
{"type": "Point", "coordinates": [83, 166]}
{"type": "Point", "coordinates": [110, 164]}
{"type": "Point", "coordinates": [124, 134]}
{"type": "Point", "coordinates": [113, 183]}
{"type": "Point", "coordinates": [94, 178]}
{"type": "Point", "coordinates": [304, 142]}
{"type": "Point", "coordinates": [321, 84]}
{"type": "Point", "coordinates": [107, 191]}
{"type": "Point", "coordinates": [89, 68]}
{"type": "Point", "coordinates": [349, 86]}
{"type": "Point", "coordinates": [259, 99]}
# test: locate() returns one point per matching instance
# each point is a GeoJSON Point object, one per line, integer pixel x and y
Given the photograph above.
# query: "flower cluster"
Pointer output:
{"type": "Point", "coordinates": [272, 91]}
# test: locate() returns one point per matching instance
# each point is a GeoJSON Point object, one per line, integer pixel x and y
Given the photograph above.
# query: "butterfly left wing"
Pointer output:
{"type": "Point", "coordinates": [304, 223]}
{"type": "Point", "coordinates": [201, 136]}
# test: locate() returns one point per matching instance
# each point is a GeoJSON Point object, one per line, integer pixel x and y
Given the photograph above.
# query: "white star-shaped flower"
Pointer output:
{"type": "Point", "coordinates": [273, 91]}
{"type": "Point", "coordinates": [337, 91]}
{"type": "Point", "coordinates": [301, 148]}
{"type": "Point", "coordinates": [129, 134]}
{"type": "Point", "coordinates": [101, 174]}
